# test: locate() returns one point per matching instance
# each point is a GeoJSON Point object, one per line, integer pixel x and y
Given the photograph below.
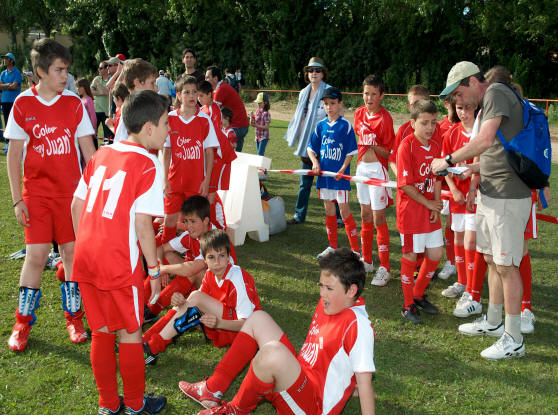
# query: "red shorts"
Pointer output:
{"type": "Point", "coordinates": [116, 309]}
{"type": "Point", "coordinates": [222, 338]}
{"type": "Point", "coordinates": [531, 227]}
{"type": "Point", "coordinates": [220, 176]}
{"type": "Point", "coordinates": [174, 201]}
{"type": "Point", "coordinates": [50, 220]}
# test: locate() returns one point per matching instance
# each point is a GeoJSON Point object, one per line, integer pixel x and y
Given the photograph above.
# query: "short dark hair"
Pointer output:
{"type": "Point", "coordinates": [141, 107]}
{"type": "Point", "coordinates": [184, 80]}
{"type": "Point", "coordinates": [420, 90]}
{"type": "Point", "coordinates": [347, 266]}
{"type": "Point", "coordinates": [374, 80]}
{"type": "Point", "coordinates": [216, 240]}
{"type": "Point", "coordinates": [120, 91]}
{"type": "Point", "coordinates": [45, 51]}
{"type": "Point", "coordinates": [215, 71]}
{"type": "Point", "coordinates": [205, 87]}
{"type": "Point", "coordinates": [137, 69]}
{"type": "Point", "coordinates": [227, 113]}
{"type": "Point", "coordinates": [188, 50]}
{"type": "Point", "coordinates": [422, 106]}
{"type": "Point", "coordinates": [196, 205]}
{"type": "Point", "coordinates": [478, 75]}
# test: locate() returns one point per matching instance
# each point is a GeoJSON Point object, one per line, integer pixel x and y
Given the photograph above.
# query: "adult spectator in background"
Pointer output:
{"type": "Point", "coordinates": [101, 98]}
{"type": "Point", "coordinates": [226, 96]}
{"type": "Point", "coordinates": [230, 79]}
{"type": "Point", "coordinates": [189, 61]}
{"type": "Point", "coordinates": [309, 110]}
{"type": "Point", "coordinates": [164, 84]}
{"type": "Point", "coordinates": [10, 86]}
{"type": "Point", "coordinates": [71, 83]}
{"type": "Point", "coordinates": [239, 79]}
{"type": "Point", "coordinates": [115, 67]}
{"type": "Point", "coordinates": [504, 203]}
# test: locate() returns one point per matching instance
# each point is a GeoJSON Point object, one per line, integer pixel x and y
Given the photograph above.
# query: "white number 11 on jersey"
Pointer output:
{"type": "Point", "coordinates": [113, 184]}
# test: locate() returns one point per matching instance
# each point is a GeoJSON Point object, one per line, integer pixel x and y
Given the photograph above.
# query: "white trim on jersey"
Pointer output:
{"type": "Point", "coordinates": [121, 133]}
{"type": "Point", "coordinates": [244, 307]}
{"type": "Point", "coordinates": [291, 403]}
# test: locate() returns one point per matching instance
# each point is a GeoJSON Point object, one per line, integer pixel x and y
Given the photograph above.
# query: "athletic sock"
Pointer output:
{"type": "Point", "coordinates": [366, 240]}
{"type": "Point", "coordinates": [179, 284]}
{"type": "Point", "coordinates": [526, 277]}
{"type": "Point", "coordinates": [242, 350]}
{"type": "Point", "coordinates": [382, 239]}
{"type": "Point", "coordinates": [494, 314]}
{"type": "Point", "coordinates": [407, 280]}
{"type": "Point", "coordinates": [479, 271]}
{"type": "Point", "coordinates": [460, 264]}
{"type": "Point", "coordinates": [251, 391]}
{"type": "Point", "coordinates": [470, 266]}
{"type": "Point", "coordinates": [512, 325]}
{"type": "Point", "coordinates": [157, 344]}
{"type": "Point", "coordinates": [352, 233]}
{"type": "Point", "coordinates": [168, 234]}
{"type": "Point", "coordinates": [331, 229]}
{"type": "Point", "coordinates": [426, 273]}
{"type": "Point", "coordinates": [158, 326]}
{"type": "Point", "coordinates": [132, 371]}
{"type": "Point", "coordinates": [450, 254]}
{"type": "Point", "coordinates": [420, 260]}
{"type": "Point", "coordinates": [103, 363]}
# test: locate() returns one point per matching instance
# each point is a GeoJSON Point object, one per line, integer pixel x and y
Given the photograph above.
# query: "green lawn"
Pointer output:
{"type": "Point", "coordinates": [430, 369]}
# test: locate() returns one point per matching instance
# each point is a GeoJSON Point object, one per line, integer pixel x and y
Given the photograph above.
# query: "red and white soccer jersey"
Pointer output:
{"type": "Point", "coordinates": [406, 130]}
{"type": "Point", "coordinates": [187, 141]}
{"type": "Point", "coordinates": [218, 213]}
{"type": "Point", "coordinates": [214, 113]}
{"type": "Point", "coordinates": [229, 132]}
{"type": "Point", "coordinates": [189, 246]}
{"type": "Point", "coordinates": [51, 157]}
{"type": "Point", "coordinates": [336, 347]}
{"type": "Point", "coordinates": [455, 138]}
{"type": "Point", "coordinates": [225, 95]}
{"type": "Point", "coordinates": [374, 130]}
{"type": "Point", "coordinates": [119, 181]}
{"type": "Point", "coordinates": [413, 168]}
{"type": "Point", "coordinates": [445, 125]}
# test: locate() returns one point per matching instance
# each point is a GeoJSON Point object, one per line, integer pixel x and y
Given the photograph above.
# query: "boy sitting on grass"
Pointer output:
{"type": "Point", "coordinates": [227, 297]}
{"type": "Point", "coordinates": [336, 357]}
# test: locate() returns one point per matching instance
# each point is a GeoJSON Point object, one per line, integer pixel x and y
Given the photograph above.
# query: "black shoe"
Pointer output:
{"type": "Point", "coordinates": [151, 405]}
{"type": "Point", "coordinates": [148, 316]}
{"type": "Point", "coordinates": [150, 358]}
{"type": "Point", "coordinates": [411, 314]}
{"type": "Point", "coordinates": [293, 221]}
{"type": "Point", "coordinates": [426, 305]}
{"type": "Point", "coordinates": [106, 411]}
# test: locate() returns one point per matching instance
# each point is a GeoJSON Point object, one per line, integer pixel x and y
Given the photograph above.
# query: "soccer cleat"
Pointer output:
{"type": "Point", "coordinates": [224, 409]}
{"type": "Point", "coordinates": [151, 405]}
{"type": "Point", "coordinates": [198, 392]}
{"type": "Point", "coordinates": [527, 321]}
{"type": "Point", "coordinates": [454, 290]}
{"type": "Point", "coordinates": [381, 278]}
{"type": "Point", "coordinates": [106, 411]}
{"type": "Point", "coordinates": [150, 358]}
{"type": "Point", "coordinates": [18, 254]}
{"type": "Point", "coordinates": [148, 316]}
{"type": "Point", "coordinates": [447, 271]}
{"type": "Point", "coordinates": [482, 326]}
{"type": "Point", "coordinates": [504, 348]}
{"type": "Point", "coordinates": [293, 221]}
{"type": "Point", "coordinates": [75, 328]}
{"type": "Point", "coordinates": [53, 259]}
{"type": "Point", "coordinates": [426, 305]}
{"type": "Point", "coordinates": [20, 334]}
{"type": "Point", "coordinates": [466, 306]}
{"type": "Point", "coordinates": [411, 314]}
{"type": "Point", "coordinates": [325, 252]}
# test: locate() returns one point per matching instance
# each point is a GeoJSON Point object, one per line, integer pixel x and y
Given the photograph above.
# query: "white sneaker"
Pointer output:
{"type": "Point", "coordinates": [482, 326]}
{"type": "Point", "coordinates": [504, 348]}
{"type": "Point", "coordinates": [381, 278]}
{"type": "Point", "coordinates": [53, 259]}
{"type": "Point", "coordinates": [447, 271]}
{"type": "Point", "coordinates": [368, 268]}
{"type": "Point", "coordinates": [325, 252]}
{"type": "Point", "coordinates": [466, 306]}
{"type": "Point", "coordinates": [527, 321]}
{"type": "Point", "coordinates": [454, 290]}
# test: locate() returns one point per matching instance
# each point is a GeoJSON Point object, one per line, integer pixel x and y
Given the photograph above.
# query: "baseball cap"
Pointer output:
{"type": "Point", "coordinates": [121, 57]}
{"type": "Point", "coordinates": [458, 73]}
{"type": "Point", "coordinates": [261, 97]}
{"type": "Point", "coordinates": [113, 61]}
{"type": "Point", "coordinates": [9, 55]}
{"type": "Point", "coordinates": [332, 93]}
{"type": "Point", "coordinates": [161, 72]}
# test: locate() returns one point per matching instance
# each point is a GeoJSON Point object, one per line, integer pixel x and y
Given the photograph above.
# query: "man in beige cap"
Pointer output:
{"type": "Point", "coordinates": [504, 203]}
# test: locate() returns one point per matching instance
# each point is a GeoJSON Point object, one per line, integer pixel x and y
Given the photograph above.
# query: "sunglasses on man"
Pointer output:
{"type": "Point", "coordinates": [103, 67]}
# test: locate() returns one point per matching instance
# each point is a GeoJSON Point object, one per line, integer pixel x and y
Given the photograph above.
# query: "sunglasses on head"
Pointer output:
{"type": "Point", "coordinates": [317, 70]}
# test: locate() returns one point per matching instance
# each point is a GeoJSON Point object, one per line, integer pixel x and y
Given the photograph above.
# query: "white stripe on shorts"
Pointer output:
{"type": "Point", "coordinates": [293, 406]}
{"type": "Point", "coordinates": [136, 303]}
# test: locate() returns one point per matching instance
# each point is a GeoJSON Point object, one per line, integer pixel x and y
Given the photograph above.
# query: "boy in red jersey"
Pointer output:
{"type": "Point", "coordinates": [120, 191]}
{"type": "Point", "coordinates": [47, 127]}
{"type": "Point", "coordinates": [226, 119]}
{"type": "Point", "coordinates": [336, 358]}
{"type": "Point", "coordinates": [374, 127]}
{"type": "Point", "coordinates": [188, 154]}
{"type": "Point", "coordinates": [227, 297]}
{"type": "Point", "coordinates": [418, 208]}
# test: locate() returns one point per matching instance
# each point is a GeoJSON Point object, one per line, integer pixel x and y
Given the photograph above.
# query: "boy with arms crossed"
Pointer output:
{"type": "Point", "coordinates": [120, 191]}
{"type": "Point", "coordinates": [418, 208]}
{"type": "Point", "coordinates": [47, 127]}
{"type": "Point", "coordinates": [374, 127]}
{"type": "Point", "coordinates": [337, 355]}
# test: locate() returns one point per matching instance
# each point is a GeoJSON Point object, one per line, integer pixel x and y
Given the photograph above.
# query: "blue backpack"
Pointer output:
{"type": "Point", "coordinates": [530, 152]}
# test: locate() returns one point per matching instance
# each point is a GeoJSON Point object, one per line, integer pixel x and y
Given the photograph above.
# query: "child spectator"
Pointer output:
{"type": "Point", "coordinates": [260, 121]}
{"type": "Point", "coordinates": [84, 92]}
{"type": "Point", "coordinates": [418, 208]}
{"type": "Point", "coordinates": [374, 126]}
{"type": "Point", "coordinates": [119, 94]}
{"type": "Point", "coordinates": [226, 118]}
{"type": "Point", "coordinates": [107, 262]}
{"type": "Point", "coordinates": [332, 146]}
{"type": "Point", "coordinates": [227, 297]}
{"type": "Point", "coordinates": [335, 361]}
{"type": "Point", "coordinates": [47, 123]}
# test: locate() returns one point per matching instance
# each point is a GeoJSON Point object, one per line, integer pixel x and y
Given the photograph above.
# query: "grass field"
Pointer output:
{"type": "Point", "coordinates": [430, 369]}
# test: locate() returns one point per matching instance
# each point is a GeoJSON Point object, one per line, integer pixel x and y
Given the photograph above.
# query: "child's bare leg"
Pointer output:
{"type": "Point", "coordinates": [33, 265]}
{"type": "Point", "coordinates": [274, 363]}
{"type": "Point", "coordinates": [67, 254]}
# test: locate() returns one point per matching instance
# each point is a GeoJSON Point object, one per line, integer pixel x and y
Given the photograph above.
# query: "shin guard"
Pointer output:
{"type": "Point", "coordinates": [28, 302]}
{"type": "Point", "coordinates": [71, 297]}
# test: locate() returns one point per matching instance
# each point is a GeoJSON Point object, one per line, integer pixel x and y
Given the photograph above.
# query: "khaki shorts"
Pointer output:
{"type": "Point", "coordinates": [500, 227]}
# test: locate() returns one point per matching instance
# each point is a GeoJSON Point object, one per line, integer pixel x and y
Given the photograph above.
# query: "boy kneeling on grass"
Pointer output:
{"type": "Point", "coordinates": [337, 355]}
{"type": "Point", "coordinates": [227, 297]}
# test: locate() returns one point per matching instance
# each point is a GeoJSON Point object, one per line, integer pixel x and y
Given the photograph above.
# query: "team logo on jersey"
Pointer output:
{"type": "Point", "coordinates": [51, 146]}
{"type": "Point", "coordinates": [188, 151]}
{"type": "Point", "coordinates": [30, 119]}
{"type": "Point", "coordinates": [309, 353]}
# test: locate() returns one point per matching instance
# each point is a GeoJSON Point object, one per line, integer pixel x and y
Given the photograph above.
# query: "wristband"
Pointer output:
{"type": "Point", "coordinates": [154, 272]}
{"type": "Point", "coordinates": [16, 203]}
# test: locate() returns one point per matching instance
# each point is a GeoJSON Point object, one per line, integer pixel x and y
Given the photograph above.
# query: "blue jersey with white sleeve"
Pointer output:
{"type": "Point", "coordinates": [332, 143]}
